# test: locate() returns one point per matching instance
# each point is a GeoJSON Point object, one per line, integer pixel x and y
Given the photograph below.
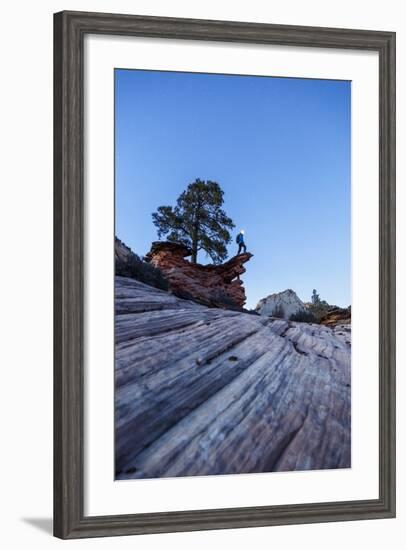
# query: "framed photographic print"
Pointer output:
{"type": "Point", "coordinates": [224, 274]}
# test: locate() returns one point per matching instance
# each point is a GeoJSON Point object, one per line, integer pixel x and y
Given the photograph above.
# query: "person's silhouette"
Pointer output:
{"type": "Point", "coordinates": [240, 242]}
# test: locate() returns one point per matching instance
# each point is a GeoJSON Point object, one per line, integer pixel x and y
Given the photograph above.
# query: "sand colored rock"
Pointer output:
{"type": "Point", "coordinates": [338, 316]}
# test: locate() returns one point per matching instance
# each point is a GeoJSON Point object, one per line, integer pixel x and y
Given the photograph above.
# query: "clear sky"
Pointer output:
{"type": "Point", "coordinates": [280, 149]}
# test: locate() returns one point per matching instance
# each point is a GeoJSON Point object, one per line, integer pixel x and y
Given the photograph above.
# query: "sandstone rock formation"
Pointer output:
{"type": "Point", "coordinates": [203, 391]}
{"type": "Point", "coordinates": [122, 253]}
{"type": "Point", "coordinates": [281, 304]}
{"type": "Point", "coordinates": [337, 316]}
{"type": "Point", "coordinates": [211, 285]}
{"type": "Point", "coordinates": [129, 264]}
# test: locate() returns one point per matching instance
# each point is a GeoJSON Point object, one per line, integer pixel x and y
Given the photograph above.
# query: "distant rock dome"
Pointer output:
{"type": "Point", "coordinates": [281, 304]}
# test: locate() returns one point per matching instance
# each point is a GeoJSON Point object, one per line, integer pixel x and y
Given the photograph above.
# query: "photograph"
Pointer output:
{"type": "Point", "coordinates": [201, 315]}
{"type": "Point", "coordinates": [232, 254]}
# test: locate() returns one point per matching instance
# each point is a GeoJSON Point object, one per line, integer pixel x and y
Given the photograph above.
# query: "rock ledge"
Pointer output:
{"type": "Point", "coordinates": [210, 285]}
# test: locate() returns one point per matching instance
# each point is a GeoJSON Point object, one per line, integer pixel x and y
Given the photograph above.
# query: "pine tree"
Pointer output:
{"type": "Point", "coordinates": [197, 221]}
{"type": "Point", "coordinates": [315, 297]}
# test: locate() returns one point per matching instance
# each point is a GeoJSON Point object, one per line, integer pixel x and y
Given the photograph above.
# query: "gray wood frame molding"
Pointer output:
{"type": "Point", "coordinates": [69, 30]}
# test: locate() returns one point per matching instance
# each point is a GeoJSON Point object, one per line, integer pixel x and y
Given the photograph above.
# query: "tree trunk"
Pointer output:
{"type": "Point", "coordinates": [194, 254]}
{"type": "Point", "coordinates": [195, 243]}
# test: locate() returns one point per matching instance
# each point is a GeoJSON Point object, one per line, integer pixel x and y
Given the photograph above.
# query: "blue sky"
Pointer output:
{"type": "Point", "coordinates": [280, 149]}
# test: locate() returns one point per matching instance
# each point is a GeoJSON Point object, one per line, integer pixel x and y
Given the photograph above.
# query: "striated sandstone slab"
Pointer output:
{"type": "Point", "coordinates": [202, 391]}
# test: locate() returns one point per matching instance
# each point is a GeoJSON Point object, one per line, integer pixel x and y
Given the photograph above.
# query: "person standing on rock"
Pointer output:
{"type": "Point", "coordinates": [240, 242]}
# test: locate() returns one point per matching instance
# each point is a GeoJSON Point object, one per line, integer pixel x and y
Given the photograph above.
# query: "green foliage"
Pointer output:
{"type": "Point", "coordinates": [303, 317]}
{"type": "Point", "coordinates": [197, 221]}
{"type": "Point", "coordinates": [315, 297]}
{"type": "Point", "coordinates": [318, 308]}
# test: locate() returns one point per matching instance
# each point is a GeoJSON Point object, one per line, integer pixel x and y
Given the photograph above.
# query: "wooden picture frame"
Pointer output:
{"type": "Point", "coordinates": [70, 29]}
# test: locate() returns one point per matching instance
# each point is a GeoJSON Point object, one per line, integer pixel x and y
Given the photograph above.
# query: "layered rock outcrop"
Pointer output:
{"type": "Point", "coordinates": [281, 304]}
{"type": "Point", "coordinates": [128, 264]}
{"type": "Point", "coordinates": [337, 316]}
{"type": "Point", "coordinates": [211, 285]}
